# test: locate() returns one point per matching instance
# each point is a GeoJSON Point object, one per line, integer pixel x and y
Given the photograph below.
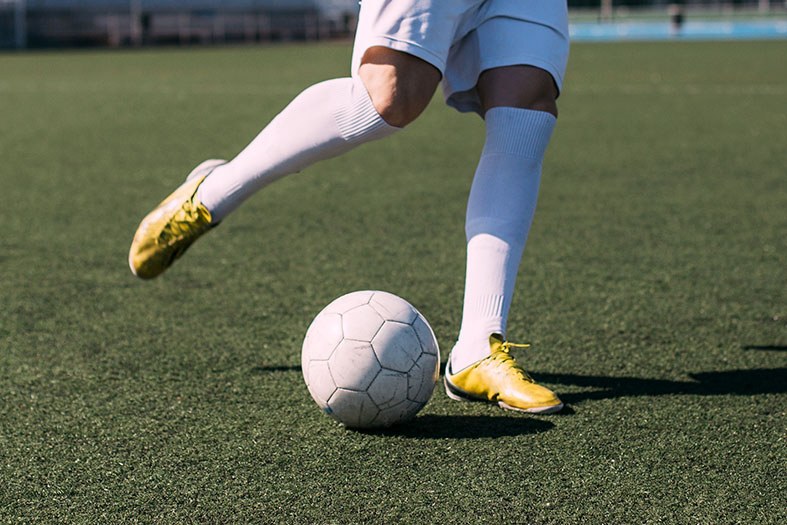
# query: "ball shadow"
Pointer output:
{"type": "Point", "coordinates": [274, 368]}
{"type": "Point", "coordinates": [767, 348]}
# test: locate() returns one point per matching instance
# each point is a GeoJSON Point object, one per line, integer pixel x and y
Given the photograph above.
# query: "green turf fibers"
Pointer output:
{"type": "Point", "coordinates": [653, 289]}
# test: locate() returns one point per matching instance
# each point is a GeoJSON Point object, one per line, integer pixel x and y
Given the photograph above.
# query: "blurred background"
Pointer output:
{"type": "Point", "coordinates": [122, 23]}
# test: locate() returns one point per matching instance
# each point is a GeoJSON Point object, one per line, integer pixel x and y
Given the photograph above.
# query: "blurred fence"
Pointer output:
{"type": "Point", "coordinates": [40, 23]}
{"type": "Point", "coordinates": [35, 27]}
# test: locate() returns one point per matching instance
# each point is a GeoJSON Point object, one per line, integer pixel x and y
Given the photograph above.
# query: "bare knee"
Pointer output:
{"type": "Point", "coordinates": [400, 85]}
{"type": "Point", "coordinates": [524, 87]}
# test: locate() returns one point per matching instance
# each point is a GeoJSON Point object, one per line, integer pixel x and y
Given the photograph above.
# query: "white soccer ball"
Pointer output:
{"type": "Point", "coordinates": [370, 360]}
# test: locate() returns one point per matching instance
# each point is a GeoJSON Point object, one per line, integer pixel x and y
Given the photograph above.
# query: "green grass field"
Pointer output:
{"type": "Point", "coordinates": [653, 288]}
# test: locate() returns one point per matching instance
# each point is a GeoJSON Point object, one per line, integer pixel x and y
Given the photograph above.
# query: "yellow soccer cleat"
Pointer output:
{"type": "Point", "coordinates": [166, 232]}
{"type": "Point", "coordinates": [499, 379]}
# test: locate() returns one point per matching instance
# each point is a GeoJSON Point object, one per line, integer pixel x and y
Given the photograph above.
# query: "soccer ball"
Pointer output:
{"type": "Point", "coordinates": [370, 360]}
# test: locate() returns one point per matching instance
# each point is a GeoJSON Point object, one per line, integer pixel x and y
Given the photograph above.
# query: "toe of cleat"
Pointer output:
{"type": "Point", "coordinates": [166, 232]}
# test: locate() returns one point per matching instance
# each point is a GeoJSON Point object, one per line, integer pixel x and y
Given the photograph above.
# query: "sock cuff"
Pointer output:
{"type": "Point", "coordinates": [517, 131]}
{"type": "Point", "coordinates": [357, 117]}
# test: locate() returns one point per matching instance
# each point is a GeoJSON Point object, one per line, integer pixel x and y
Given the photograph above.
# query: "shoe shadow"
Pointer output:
{"type": "Point", "coordinates": [732, 382]}
{"type": "Point", "coordinates": [430, 426]}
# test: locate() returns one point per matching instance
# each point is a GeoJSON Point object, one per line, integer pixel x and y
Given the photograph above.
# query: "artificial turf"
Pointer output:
{"type": "Point", "coordinates": [653, 289]}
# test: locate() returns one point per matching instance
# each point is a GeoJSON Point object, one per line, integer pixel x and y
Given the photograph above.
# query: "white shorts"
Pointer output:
{"type": "Point", "coordinates": [463, 38]}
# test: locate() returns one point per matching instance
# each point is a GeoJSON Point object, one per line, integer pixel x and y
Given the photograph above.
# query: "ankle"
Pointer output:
{"type": "Point", "coordinates": [468, 350]}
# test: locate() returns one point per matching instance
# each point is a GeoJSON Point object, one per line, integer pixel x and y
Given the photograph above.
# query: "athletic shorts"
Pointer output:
{"type": "Point", "coordinates": [463, 38]}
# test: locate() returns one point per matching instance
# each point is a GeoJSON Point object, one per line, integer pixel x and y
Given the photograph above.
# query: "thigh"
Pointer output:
{"type": "Point", "coordinates": [426, 29]}
{"type": "Point", "coordinates": [399, 84]}
{"type": "Point", "coordinates": [525, 87]}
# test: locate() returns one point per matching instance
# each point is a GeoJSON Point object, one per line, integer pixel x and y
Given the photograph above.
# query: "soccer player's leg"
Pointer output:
{"type": "Point", "coordinates": [520, 114]}
{"type": "Point", "coordinates": [326, 120]}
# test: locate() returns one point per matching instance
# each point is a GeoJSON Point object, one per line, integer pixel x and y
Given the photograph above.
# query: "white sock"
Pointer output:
{"type": "Point", "coordinates": [499, 213]}
{"type": "Point", "coordinates": [324, 121]}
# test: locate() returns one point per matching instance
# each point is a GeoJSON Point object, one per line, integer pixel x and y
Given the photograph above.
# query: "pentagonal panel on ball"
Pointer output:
{"type": "Point", "coordinates": [353, 365]}
{"type": "Point", "coordinates": [422, 378]}
{"type": "Point", "coordinates": [389, 388]}
{"type": "Point", "coordinates": [426, 336]}
{"type": "Point", "coordinates": [393, 308]}
{"type": "Point", "coordinates": [323, 335]}
{"type": "Point", "coordinates": [354, 409]}
{"type": "Point", "coordinates": [361, 323]}
{"type": "Point", "coordinates": [396, 346]}
{"type": "Point", "coordinates": [320, 382]}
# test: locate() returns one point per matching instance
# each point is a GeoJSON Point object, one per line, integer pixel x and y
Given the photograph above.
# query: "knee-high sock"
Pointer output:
{"type": "Point", "coordinates": [499, 213]}
{"type": "Point", "coordinates": [324, 121]}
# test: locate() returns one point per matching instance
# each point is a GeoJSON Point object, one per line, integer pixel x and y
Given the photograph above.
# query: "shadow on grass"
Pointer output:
{"type": "Point", "coordinates": [769, 348]}
{"type": "Point", "coordinates": [732, 382]}
{"type": "Point", "coordinates": [431, 426]}
{"type": "Point", "coordinates": [284, 368]}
